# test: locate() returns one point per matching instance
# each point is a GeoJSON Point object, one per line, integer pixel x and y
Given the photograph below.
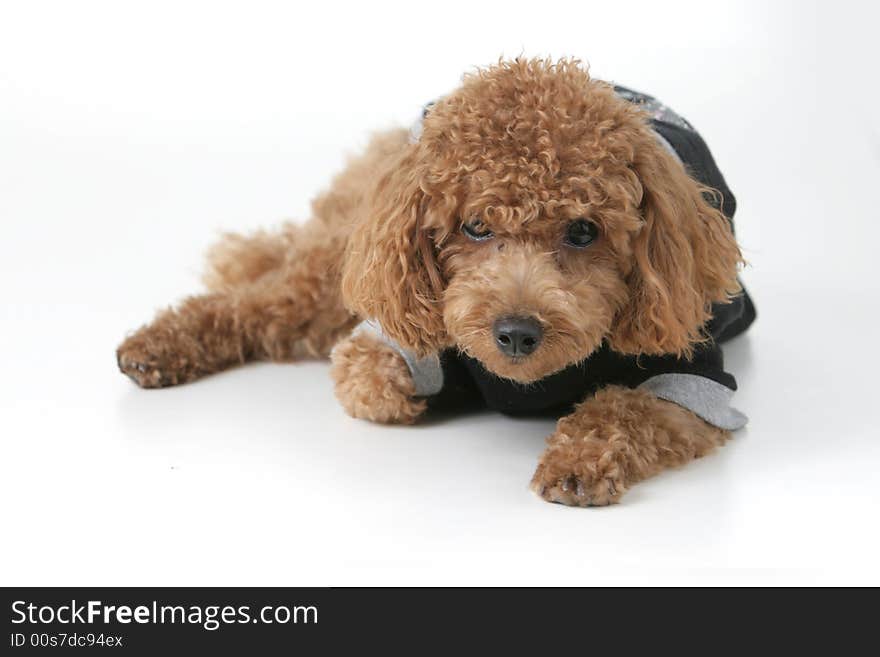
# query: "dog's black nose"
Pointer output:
{"type": "Point", "coordinates": [517, 336]}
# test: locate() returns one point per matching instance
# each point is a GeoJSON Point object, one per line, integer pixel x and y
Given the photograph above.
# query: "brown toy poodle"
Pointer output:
{"type": "Point", "coordinates": [539, 242]}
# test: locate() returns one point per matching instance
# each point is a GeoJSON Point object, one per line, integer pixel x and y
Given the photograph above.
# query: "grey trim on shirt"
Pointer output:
{"type": "Point", "coordinates": [704, 397]}
{"type": "Point", "coordinates": [427, 374]}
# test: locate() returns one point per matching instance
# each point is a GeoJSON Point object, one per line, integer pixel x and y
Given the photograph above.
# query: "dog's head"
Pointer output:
{"type": "Point", "coordinates": [537, 216]}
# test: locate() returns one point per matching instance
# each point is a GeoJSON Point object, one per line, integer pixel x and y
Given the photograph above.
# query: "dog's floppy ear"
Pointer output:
{"type": "Point", "coordinates": [390, 273]}
{"type": "Point", "coordinates": [685, 257]}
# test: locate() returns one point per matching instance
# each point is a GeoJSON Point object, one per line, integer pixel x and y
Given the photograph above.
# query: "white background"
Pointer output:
{"type": "Point", "coordinates": [132, 133]}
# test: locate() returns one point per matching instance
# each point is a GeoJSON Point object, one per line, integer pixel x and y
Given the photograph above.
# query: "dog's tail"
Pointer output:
{"type": "Point", "coordinates": [237, 260]}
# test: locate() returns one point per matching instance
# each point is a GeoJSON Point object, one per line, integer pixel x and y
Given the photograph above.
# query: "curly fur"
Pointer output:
{"type": "Point", "coordinates": [614, 440]}
{"type": "Point", "coordinates": [525, 146]}
{"type": "Point", "coordinates": [373, 382]}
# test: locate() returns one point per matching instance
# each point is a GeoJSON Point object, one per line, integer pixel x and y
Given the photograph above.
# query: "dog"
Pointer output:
{"type": "Point", "coordinates": [540, 241]}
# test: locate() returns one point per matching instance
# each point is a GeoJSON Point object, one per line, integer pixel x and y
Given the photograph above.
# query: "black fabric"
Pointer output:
{"type": "Point", "coordinates": [699, 163]}
{"type": "Point", "coordinates": [729, 322]}
{"type": "Point", "coordinates": [467, 382]}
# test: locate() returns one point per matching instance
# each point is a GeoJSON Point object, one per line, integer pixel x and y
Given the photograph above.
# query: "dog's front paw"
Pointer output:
{"type": "Point", "coordinates": [579, 473]}
{"type": "Point", "coordinates": [373, 381]}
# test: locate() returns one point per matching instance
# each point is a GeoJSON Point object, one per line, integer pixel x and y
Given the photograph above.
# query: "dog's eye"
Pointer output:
{"type": "Point", "coordinates": [476, 230]}
{"type": "Point", "coordinates": [581, 233]}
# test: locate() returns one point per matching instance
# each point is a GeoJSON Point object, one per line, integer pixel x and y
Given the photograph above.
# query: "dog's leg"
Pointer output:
{"type": "Point", "coordinates": [614, 440]}
{"type": "Point", "coordinates": [291, 310]}
{"type": "Point", "coordinates": [272, 296]}
{"type": "Point", "coordinates": [373, 381]}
